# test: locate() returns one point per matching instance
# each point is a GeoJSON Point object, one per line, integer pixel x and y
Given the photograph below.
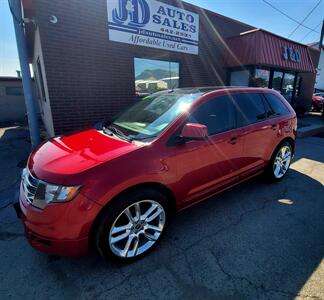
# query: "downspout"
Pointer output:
{"type": "Point", "coordinates": [15, 7]}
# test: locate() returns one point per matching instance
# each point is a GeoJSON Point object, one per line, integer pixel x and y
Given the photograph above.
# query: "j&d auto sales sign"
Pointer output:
{"type": "Point", "coordinates": [153, 24]}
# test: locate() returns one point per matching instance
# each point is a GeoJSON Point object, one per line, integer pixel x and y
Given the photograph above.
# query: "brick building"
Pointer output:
{"type": "Point", "coordinates": [84, 73]}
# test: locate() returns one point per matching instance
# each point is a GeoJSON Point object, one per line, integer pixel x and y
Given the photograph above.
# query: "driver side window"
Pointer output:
{"type": "Point", "coordinates": [217, 114]}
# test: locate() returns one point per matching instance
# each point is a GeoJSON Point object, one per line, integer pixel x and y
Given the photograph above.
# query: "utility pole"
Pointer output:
{"type": "Point", "coordinates": [15, 6]}
{"type": "Point", "coordinates": [320, 45]}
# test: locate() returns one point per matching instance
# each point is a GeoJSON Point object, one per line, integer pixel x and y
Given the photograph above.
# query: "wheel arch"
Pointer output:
{"type": "Point", "coordinates": [163, 189]}
{"type": "Point", "coordinates": [288, 139]}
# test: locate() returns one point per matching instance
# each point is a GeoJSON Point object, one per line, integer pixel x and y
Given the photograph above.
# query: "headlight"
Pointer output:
{"type": "Point", "coordinates": [56, 193]}
{"type": "Point", "coordinates": [49, 193]}
{"type": "Point", "coordinates": [40, 193]}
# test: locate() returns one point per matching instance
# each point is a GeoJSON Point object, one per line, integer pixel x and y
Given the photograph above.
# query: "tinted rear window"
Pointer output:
{"type": "Point", "coordinates": [217, 114]}
{"type": "Point", "coordinates": [250, 109]}
{"type": "Point", "coordinates": [278, 108]}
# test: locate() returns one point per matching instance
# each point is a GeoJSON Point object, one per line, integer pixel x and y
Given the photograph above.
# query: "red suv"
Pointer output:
{"type": "Point", "coordinates": [116, 187]}
{"type": "Point", "coordinates": [318, 102]}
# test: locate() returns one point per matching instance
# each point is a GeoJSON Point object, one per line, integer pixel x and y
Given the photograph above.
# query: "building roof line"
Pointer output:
{"type": "Point", "coordinates": [271, 33]}
{"type": "Point", "coordinates": [312, 45]}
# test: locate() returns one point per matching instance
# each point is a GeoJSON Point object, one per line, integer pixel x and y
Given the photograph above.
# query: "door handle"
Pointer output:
{"type": "Point", "coordinates": [233, 140]}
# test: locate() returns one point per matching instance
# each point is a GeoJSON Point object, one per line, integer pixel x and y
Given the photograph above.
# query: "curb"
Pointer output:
{"type": "Point", "coordinates": [309, 131]}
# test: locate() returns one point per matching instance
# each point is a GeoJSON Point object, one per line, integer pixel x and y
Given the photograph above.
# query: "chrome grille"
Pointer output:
{"type": "Point", "coordinates": [29, 184]}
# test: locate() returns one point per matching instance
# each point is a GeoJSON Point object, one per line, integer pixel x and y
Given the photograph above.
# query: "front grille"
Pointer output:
{"type": "Point", "coordinates": [30, 185]}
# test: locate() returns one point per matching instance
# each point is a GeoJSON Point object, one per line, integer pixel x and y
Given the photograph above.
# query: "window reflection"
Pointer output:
{"type": "Point", "coordinates": [288, 86]}
{"type": "Point", "coordinates": [155, 75]}
{"type": "Point", "coordinates": [261, 78]}
{"type": "Point", "coordinates": [276, 81]}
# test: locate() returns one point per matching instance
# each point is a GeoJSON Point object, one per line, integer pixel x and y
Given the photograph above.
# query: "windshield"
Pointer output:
{"type": "Point", "coordinates": [149, 117]}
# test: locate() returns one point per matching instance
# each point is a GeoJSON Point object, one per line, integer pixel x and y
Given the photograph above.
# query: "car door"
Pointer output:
{"type": "Point", "coordinates": [206, 165]}
{"type": "Point", "coordinates": [256, 131]}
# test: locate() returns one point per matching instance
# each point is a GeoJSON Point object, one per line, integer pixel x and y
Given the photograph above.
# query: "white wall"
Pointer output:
{"type": "Point", "coordinates": [44, 104]}
{"type": "Point", "coordinates": [319, 84]}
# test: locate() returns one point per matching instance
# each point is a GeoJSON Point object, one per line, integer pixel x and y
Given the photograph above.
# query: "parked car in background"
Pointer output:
{"type": "Point", "coordinates": [318, 102]}
{"type": "Point", "coordinates": [117, 187]}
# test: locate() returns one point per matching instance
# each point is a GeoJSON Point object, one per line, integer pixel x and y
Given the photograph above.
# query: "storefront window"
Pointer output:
{"type": "Point", "coordinates": [277, 80]}
{"type": "Point", "coordinates": [240, 78]}
{"type": "Point", "coordinates": [155, 75]}
{"type": "Point", "coordinates": [288, 86]}
{"type": "Point", "coordinates": [261, 78]}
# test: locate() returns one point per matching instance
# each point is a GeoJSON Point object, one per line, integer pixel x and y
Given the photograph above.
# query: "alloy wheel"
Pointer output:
{"type": "Point", "coordinates": [282, 162]}
{"type": "Point", "coordinates": [137, 228]}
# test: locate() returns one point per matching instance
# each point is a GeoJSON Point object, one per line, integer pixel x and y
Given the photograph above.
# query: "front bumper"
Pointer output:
{"type": "Point", "coordinates": [60, 229]}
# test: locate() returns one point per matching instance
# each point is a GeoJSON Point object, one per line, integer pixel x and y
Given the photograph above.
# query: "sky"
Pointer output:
{"type": "Point", "coordinates": [253, 12]}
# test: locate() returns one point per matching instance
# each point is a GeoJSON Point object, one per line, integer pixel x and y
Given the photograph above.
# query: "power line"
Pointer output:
{"type": "Point", "coordinates": [309, 32]}
{"type": "Point", "coordinates": [318, 3]}
{"type": "Point", "coordinates": [289, 17]}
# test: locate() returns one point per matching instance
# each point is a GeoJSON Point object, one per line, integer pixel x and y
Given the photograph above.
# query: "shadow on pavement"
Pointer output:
{"type": "Point", "coordinates": [14, 151]}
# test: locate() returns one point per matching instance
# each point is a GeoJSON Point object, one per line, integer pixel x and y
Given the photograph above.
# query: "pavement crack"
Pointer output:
{"type": "Point", "coordinates": [189, 266]}
{"type": "Point", "coordinates": [155, 296]}
{"type": "Point", "coordinates": [9, 236]}
{"type": "Point", "coordinates": [117, 285]}
{"type": "Point", "coordinates": [5, 206]}
{"type": "Point", "coordinates": [70, 290]}
{"type": "Point", "coordinates": [257, 287]}
{"type": "Point", "coordinates": [10, 185]}
{"type": "Point", "coordinates": [232, 224]}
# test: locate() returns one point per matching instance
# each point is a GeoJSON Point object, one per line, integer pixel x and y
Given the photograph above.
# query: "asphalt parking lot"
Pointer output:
{"type": "Point", "coordinates": [255, 241]}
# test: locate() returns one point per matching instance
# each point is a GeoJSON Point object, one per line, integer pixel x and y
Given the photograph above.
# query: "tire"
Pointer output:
{"type": "Point", "coordinates": [278, 166]}
{"type": "Point", "coordinates": [120, 225]}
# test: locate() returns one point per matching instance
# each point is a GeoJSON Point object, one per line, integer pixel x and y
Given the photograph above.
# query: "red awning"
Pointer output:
{"type": "Point", "coordinates": [259, 47]}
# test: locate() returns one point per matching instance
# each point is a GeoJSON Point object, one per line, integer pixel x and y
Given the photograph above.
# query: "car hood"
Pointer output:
{"type": "Point", "coordinates": [60, 157]}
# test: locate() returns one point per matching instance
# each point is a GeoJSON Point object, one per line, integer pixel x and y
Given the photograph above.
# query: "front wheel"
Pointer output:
{"type": "Point", "coordinates": [280, 162]}
{"type": "Point", "coordinates": [132, 226]}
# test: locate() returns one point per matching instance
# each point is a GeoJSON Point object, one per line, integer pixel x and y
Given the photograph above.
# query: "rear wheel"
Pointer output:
{"type": "Point", "coordinates": [280, 162]}
{"type": "Point", "coordinates": [132, 226]}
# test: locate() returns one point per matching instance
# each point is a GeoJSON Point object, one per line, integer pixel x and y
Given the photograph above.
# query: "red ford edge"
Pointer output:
{"type": "Point", "coordinates": [116, 187]}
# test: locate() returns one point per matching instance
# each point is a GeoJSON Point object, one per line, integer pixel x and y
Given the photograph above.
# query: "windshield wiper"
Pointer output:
{"type": "Point", "coordinates": [144, 138]}
{"type": "Point", "coordinates": [117, 132]}
{"type": "Point", "coordinates": [107, 131]}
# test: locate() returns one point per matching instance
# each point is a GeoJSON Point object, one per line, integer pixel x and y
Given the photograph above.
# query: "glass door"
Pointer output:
{"type": "Point", "coordinates": [277, 80]}
{"type": "Point", "coordinates": [288, 86]}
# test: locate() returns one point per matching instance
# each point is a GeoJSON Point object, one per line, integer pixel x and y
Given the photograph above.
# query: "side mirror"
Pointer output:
{"type": "Point", "coordinates": [194, 131]}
